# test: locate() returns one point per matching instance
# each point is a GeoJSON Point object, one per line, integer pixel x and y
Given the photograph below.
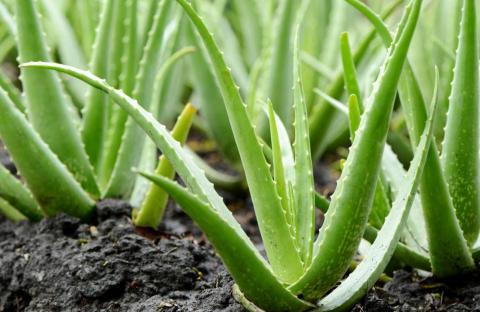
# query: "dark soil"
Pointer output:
{"type": "Point", "coordinates": [63, 265]}
{"type": "Point", "coordinates": [409, 292]}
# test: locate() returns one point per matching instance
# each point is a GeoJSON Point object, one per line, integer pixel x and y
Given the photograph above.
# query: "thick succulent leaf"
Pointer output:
{"type": "Point", "coordinates": [9, 212]}
{"type": "Point", "coordinates": [349, 71]}
{"type": "Point", "coordinates": [281, 182]}
{"type": "Point", "coordinates": [393, 172]}
{"type": "Point", "coordinates": [354, 114]}
{"type": "Point", "coordinates": [127, 78]}
{"type": "Point", "coordinates": [157, 49]}
{"type": "Point", "coordinates": [149, 157]}
{"type": "Point", "coordinates": [153, 207]}
{"type": "Point", "coordinates": [347, 217]}
{"type": "Point", "coordinates": [281, 79]}
{"type": "Point", "coordinates": [215, 211]}
{"type": "Point", "coordinates": [249, 22]}
{"type": "Point", "coordinates": [211, 101]}
{"type": "Point", "coordinates": [402, 253]}
{"type": "Point", "coordinates": [448, 248]}
{"type": "Point", "coordinates": [18, 196]}
{"type": "Point", "coordinates": [95, 113]}
{"type": "Point", "coordinates": [12, 92]}
{"type": "Point", "coordinates": [47, 106]}
{"type": "Point", "coordinates": [322, 116]}
{"type": "Point", "coordinates": [182, 163]}
{"type": "Point", "coordinates": [53, 187]}
{"type": "Point", "coordinates": [304, 188]}
{"type": "Point", "coordinates": [278, 243]}
{"type": "Point", "coordinates": [244, 263]}
{"type": "Point", "coordinates": [460, 156]}
{"type": "Point", "coordinates": [7, 19]}
{"type": "Point", "coordinates": [379, 254]}
{"type": "Point", "coordinates": [69, 48]}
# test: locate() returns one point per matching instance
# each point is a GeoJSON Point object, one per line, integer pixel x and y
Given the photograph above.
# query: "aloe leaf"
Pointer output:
{"type": "Point", "coordinates": [393, 173]}
{"type": "Point", "coordinates": [379, 254]}
{"type": "Point", "coordinates": [322, 115]}
{"type": "Point", "coordinates": [47, 105]}
{"type": "Point", "coordinates": [460, 157]}
{"type": "Point", "coordinates": [349, 71]}
{"type": "Point", "coordinates": [304, 188]}
{"type": "Point", "coordinates": [18, 196]}
{"type": "Point", "coordinates": [281, 79]}
{"type": "Point", "coordinates": [347, 217]}
{"type": "Point", "coordinates": [153, 207]}
{"type": "Point", "coordinates": [86, 11]}
{"type": "Point", "coordinates": [12, 92]}
{"type": "Point", "coordinates": [148, 158]}
{"type": "Point", "coordinates": [68, 46]}
{"type": "Point", "coordinates": [53, 187]}
{"type": "Point", "coordinates": [354, 114]}
{"type": "Point", "coordinates": [158, 48]}
{"type": "Point", "coordinates": [211, 101]}
{"type": "Point", "coordinates": [256, 281]}
{"type": "Point", "coordinates": [9, 212]}
{"type": "Point", "coordinates": [448, 248]}
{"type": "Point", "coordinates": [95, 120]}
{"type": "Point", "coordinates": [249, 24]}
{"type": "Point", "coordinates": [272, 223]}
{"type": "Point", "coordinates": [127, 77]}
{"type": "Point", "coordinates": [403, 253]}
{"type": "Point", "coordinates": [278, 168]}
{"type": "Point", "coordinates": [7, 19]}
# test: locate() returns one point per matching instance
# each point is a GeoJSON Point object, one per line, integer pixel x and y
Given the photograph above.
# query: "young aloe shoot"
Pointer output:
{"type": "Point", "coordinates": [151, 212]}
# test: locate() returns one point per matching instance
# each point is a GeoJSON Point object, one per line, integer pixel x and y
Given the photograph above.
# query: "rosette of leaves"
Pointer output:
{"type": "Point", "coordinates": [445, 222]}
{"type": "Point", "coordinates": [300, 269]}
{"type": "Point", "coordinates": [67, 157]}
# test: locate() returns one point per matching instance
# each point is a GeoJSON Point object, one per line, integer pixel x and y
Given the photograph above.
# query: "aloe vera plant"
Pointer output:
{"type": "Point", "coordinates": [300, 270]}
{"type": "Point", "coordinates": [81, 156]}
{"type": "Point", "coordinates": [449, 185]}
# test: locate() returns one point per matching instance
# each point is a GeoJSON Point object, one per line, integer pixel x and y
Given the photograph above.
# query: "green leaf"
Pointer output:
{"type": "Point", "coordinates": [153, 207]}
{"type": "Point", "coordinates": [47, 106]}
{"type": "Point", "coordinates": [357, 284]}
{"type": "Point", "coordinates": [281, 182]}
{"type": "Point", "coordinates": [53, 187]}
{"type": "Point", "coordinates": [255, 279]}
{"type": "Point", "coordinates": [448, 249]}
{"type": "Point", "coordinates": [68, 46]}
{"type": "Point", "coordinates": [9, 212]}
{"type": "Point", "coordinates": [280, 80]}
{"type": "Point", "coordinates": [18, 196]}
{"type": "Point", "coordinates": [211, 101]}
{"type": "Point", "coordinates": [157, 49]}
{"type": "Point", "coordinates": [349, 71]}
{"type": "Point", "coordinates": [304, 188]}
{"type": "Point", "coordinates": [347, 217]}
{"type": "Point", "coordinates": [322, 115]}
{"type": "Point", "coordinates": [127, 78]}
{"type": "Point", "coordinates": [149, 153]}
{"type": "Point", "coordinates": [95, 113]}
{"type": "Point", "coordinates": [245, 264]}
{"type": "Point", "coordinates": [12, 92]}
{"type": "Point", "coordinates": [460, 156]}
{"type": "Point", "coordinates": [273, 226]}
